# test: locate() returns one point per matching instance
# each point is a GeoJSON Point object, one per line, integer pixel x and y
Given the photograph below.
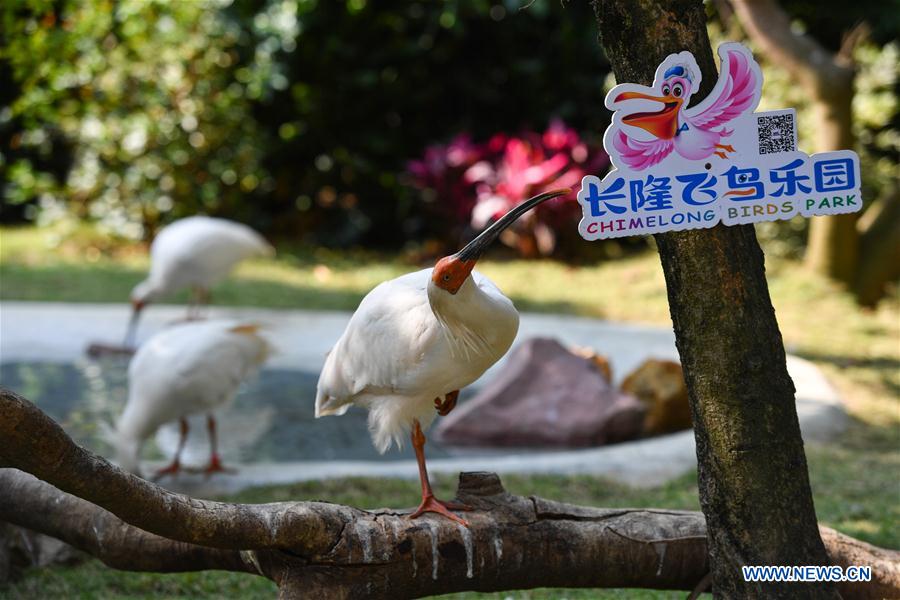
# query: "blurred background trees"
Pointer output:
{"type": "Point", "coordinates": [396, 125]}
{"type": "Point", "coordinates": [296, 116]}
{"type": "Point", "coordinates": [128, 113]}
{"type": "Point", "coordinates": [824, 62]}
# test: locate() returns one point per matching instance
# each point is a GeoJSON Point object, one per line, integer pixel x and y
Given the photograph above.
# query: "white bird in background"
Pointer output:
{"type": "Point", "coordinates": [196, 253]}
{"type": "Point", "coordinates": [415, 341]}
{"type": "Point", "coordinates": [189, 368]}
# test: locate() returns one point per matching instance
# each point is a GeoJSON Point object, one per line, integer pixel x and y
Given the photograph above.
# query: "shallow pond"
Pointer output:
{"type": "Point", "coordinates": [271, 419]}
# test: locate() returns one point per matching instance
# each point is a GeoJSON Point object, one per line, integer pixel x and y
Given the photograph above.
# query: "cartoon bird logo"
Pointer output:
{"type": "Point", "coordinates": [695, 133]}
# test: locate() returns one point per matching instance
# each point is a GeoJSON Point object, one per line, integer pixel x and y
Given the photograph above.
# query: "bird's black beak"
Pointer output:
{"type": "Point", "coordinates": [474, 249]}
{"type": "Point", "coordinates": [136, 308]}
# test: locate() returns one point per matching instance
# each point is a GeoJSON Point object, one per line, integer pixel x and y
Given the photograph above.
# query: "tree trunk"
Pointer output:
{"type": "Point", "coordinates": [879, 264]}
{"type": "Point", "coordinates": [832, 248]}
{"type": "Point", "coordinates": [833, 245]}
{"type": "Point", "coordinates": [753, 479]}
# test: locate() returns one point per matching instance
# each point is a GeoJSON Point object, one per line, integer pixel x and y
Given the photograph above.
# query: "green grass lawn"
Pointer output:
{"type": "Point", "coordinates": [855, 478]}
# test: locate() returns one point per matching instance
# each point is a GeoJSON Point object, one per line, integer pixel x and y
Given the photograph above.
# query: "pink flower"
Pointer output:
{"type": "Point", "coordinates": [479, 182]}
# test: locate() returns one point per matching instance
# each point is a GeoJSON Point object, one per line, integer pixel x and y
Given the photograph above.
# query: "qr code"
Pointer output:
{"type": "Point", "coordinates": [776, 133]}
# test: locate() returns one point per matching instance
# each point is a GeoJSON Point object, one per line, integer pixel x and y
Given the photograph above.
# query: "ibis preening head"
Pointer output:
{"type": "Point", "coordinates": [193, 253]}
{"type": "Point", "coordinates": [415, 341]}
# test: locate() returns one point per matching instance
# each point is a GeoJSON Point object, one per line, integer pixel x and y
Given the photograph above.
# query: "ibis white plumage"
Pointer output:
{"type": "Point", "coordinates": [415, 341]}
{"type": "Point", "coordinates": [193, 367]}
{"type": "Point", "coordinates": [197, 253]}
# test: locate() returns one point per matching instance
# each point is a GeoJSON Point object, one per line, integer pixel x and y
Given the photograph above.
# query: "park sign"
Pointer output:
{"type": "Point", "coordinates": [677, 167]}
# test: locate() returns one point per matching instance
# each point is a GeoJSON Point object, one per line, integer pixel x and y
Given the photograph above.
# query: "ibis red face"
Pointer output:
{"type": "Point", "coordinates": [451, 271]}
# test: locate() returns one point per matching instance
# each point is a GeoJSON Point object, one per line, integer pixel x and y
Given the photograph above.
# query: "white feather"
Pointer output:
{"type": "Point", "coordinates": [197, 252]}
{"type": "Point", "coordinates": [410, 342]}
{"type": "Point", "coordinates": [190, 368]}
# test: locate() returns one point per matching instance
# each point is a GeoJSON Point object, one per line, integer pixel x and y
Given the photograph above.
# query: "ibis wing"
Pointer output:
{"type": "Point", "coordinates": [382, 350]}
{"type": "Point", "coordinates": [190, 368]}
{"type": "Point", "coordinates": [202, 250]}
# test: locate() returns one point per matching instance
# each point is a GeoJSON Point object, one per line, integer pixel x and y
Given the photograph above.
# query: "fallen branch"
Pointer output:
{"type": "Point", "coordinates": [514, 542]}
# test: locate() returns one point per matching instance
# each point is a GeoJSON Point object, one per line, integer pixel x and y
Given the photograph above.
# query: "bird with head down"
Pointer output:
{"type": "Point", "coordinates": [415, 341]}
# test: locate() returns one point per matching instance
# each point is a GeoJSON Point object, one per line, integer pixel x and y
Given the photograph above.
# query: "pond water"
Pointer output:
{"type": "Point", "coordinates": [271, 419]}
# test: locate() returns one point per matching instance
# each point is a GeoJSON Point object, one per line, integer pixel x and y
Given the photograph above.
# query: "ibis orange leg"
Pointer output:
{"type": "Point", "coordinates": [175, 466]}
{"type": "Point", "coordinates": [429, 502]}
{"type": "Point", "coordinates": [215, 462]}
{"type": "Point", "coordinates": [443, 407]}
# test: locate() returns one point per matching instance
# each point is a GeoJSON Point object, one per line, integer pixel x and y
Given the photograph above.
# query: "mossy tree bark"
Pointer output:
{"type": "Point", "coordinates": [754, 484]}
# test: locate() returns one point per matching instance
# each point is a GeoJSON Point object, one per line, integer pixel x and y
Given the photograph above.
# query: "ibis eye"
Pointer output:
{"type": "Point", "coordinates": [665, 90]}
{"type": "Point", "coordinates": [677, 91]}
{"type": "Point", "coordinates": [446, 277]}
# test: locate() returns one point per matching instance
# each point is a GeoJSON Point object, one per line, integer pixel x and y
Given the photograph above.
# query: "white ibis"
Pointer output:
{"type": "Point", "coordinates": [415, 341]}
{"type": "Point", "coordinates": [196, 252]}
{"type": "Point", "coordinates": [190, 368]}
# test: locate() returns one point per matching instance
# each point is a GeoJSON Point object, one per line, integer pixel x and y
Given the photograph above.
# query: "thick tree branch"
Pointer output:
{"type": "Point", "coordinates": [516, 543]}
{"type": "Point", "coordinates": [513, 543]}
{"type": "Point", "coordinates": [34, 443]}
{"type": "Point", "coordinates": [769, 26]}
{"type": "Point", "coordinates": [846, 551]}
{"type": "Point", "coordinates": [31, 503]}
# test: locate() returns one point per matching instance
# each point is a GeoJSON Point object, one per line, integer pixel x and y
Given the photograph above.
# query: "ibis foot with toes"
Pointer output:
{"type": "Point", "coordinates": [429, 502]}
{"type": "Point", "coordinates": [215, 466]}
{"type": "Point", "coordinates": [215, 462]}
{"type": "Point", "coordinates": [173, 469]}
{"type": "Point", "coordinates": [175, 466]}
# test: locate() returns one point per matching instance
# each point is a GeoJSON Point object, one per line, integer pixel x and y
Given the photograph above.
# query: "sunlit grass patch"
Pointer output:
{"type": "Point", "coordinates": [854, 478]}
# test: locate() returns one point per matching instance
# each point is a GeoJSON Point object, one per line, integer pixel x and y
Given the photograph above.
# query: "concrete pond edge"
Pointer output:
{"type": "Point", "coordinates": [57, 332]}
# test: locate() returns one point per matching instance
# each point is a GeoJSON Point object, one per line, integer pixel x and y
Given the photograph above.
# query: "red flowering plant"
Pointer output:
{"type": "Point", "coordinates": [473, 184]}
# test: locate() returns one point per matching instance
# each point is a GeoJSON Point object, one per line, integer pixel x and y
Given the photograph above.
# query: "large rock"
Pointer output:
{"type": "Point", "coordinates": [659, 384]}
{"type": "Point", "coordinates": [545, 396]}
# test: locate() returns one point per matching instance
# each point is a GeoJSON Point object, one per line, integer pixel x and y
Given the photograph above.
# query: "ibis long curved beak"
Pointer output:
{"type": "Point", "coordinates": [474, 249]}
{"type": "Point", "coordinates": [662, 123]}
{"type": "Point", "coordinates": [131, 333]}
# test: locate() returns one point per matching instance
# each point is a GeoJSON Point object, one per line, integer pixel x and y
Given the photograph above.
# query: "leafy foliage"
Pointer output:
{"type": "Point", "coordinates": [141, 105]}
{"type": "Point", "coordinates": [471, 184]}
{"type": "Point", "coordinates": [876, 111]}
{"type": "Point", "coordinates": [299, 116]}
{"type": "Point", "coordinates": [294, 115]}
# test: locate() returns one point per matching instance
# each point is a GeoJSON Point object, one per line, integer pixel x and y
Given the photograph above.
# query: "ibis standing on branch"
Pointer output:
{"type": "Point", "coordinates": [190, 368]}
{"type": "Point", "coordinates": [415, 341]}
{"type": "Point", "coordinates": [196, 253]}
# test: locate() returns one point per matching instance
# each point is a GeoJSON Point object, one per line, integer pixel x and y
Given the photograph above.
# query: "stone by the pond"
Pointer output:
{"type": "Point", "coordinates": [659, 384]}
{"type": "Point", "coordinates": [545, 396]}
{"type": "Point", "coordinates": [600, 362]}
